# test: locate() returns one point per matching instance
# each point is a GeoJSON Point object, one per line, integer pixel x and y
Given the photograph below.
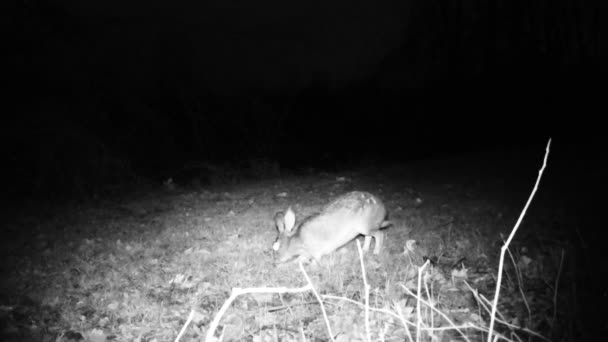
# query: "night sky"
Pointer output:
{"type": "Point", "coordinates": [100, 92]}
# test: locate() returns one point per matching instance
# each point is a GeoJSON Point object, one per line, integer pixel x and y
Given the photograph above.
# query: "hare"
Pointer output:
{"type": "Point", "coordinates": [338, 223]}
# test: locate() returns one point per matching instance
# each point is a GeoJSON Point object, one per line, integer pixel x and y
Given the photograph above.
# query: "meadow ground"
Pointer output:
{"type": "Point", "coordinates": [134, 268]}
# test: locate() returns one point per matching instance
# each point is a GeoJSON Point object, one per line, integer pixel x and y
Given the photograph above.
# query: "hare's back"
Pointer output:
{"type": "Point", "coordinates": [354, 202]}
{"type": "Point", "coordinates": [359, 210]}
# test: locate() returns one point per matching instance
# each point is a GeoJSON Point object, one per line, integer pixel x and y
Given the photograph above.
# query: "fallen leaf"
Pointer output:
{"type": "Point", "coordinates": [96, 335]}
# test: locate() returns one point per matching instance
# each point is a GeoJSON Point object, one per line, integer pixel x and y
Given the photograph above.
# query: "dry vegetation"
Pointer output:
{"type": "Point", "coordinates": [136, 269]}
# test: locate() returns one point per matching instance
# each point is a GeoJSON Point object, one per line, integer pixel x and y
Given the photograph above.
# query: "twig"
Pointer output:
{"type": "Point", "coordinates": [384, 311]}
{"type": "Point", "coordinates": [398, 315]}
{"type": "Point", "coordinates": [237, 292]}
{"type": "Point", "coordinates": [418, 310]}
{"type": "Point", "coordinates": [506, 245]}
{"type": "Point", "coordinates": [559, 274]}
{"type": "Point", "coordinates": [429, 295]}
{"type": "Point", "coordinates": [190, 317]}
{"type": "Point", "coordinates": [447, 319]}
{"type": "Point", "coordinates": [520, 285]}
{"type": "Point", "coordinates": [484, 302]}
{"type": "Point", "coordinates": [403, 321]}
{"type": "Point", "coordinates": [331, 334]}
{"type": "Point", "coordinates": [366, 291]}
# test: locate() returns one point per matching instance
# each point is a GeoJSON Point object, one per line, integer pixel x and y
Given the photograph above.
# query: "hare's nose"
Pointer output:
{"type": "Point", "coordinates": [276, 246]}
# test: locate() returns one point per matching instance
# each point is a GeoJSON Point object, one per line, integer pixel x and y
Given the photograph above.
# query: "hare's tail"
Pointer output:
{"type": "Point", "coordinates": [385, 224]}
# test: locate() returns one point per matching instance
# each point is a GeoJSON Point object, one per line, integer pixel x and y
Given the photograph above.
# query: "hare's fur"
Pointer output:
{"type": "Point", "coordinates": [339, 222]}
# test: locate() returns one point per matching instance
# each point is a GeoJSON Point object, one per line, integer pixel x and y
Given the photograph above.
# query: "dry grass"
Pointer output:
{"type": "Point", "coordinates": [147, 268]}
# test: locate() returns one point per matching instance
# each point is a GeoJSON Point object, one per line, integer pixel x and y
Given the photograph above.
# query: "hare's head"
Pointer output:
{"type": "Point", "coordinates": [288, 244]}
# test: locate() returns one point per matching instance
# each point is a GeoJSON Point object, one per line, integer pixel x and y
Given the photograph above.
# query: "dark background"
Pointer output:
{"type": "Point", "coordinates": [102, 96]}
{"type": "Point", "coordinates": [105, 93]}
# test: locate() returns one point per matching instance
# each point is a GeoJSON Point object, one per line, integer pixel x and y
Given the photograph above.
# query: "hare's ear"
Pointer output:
{"type": "Point", "coordinates": [289, 220]}
{"type": "Point", "coordinates": [279, 221]}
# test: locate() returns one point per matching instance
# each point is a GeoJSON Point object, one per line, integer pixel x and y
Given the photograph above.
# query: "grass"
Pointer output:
{"type": "Point", "coordinates": [171, 262]}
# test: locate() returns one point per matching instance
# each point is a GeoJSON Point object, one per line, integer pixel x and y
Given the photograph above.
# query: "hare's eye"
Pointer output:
{"type": "Point", "coordinates": [276, 245]}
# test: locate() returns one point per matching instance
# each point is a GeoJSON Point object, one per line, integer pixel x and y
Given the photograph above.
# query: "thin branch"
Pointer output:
{"type": "Point", "coordinates": [559, 274]}
{"type": "Point", "coordinates": [366, 290]}
{"type": "Point", "coordinates": [503, 250]}
{"type": "Point", "coordinates": [447, 319]}
{"type": "Point", "coordinates": [484, 302]}
{"type": "Point", "coordinates": [237, 292]}
{"type": "Point", "coordinates": [520, 285]}
{"type": "Point", "coordinates": [418, 306]}
{"type": "Point", "coordinates": [331, 334]}
{"type": "Point", "coordinates": [181, 333]}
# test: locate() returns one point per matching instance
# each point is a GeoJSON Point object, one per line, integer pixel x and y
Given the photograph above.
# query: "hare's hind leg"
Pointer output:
{"type": "Point", "coordinates": [378, 236]}
{"type": "Point", "coordinates": [379, 239]}
{"type": "Point", "coordinates": [366, 243]}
